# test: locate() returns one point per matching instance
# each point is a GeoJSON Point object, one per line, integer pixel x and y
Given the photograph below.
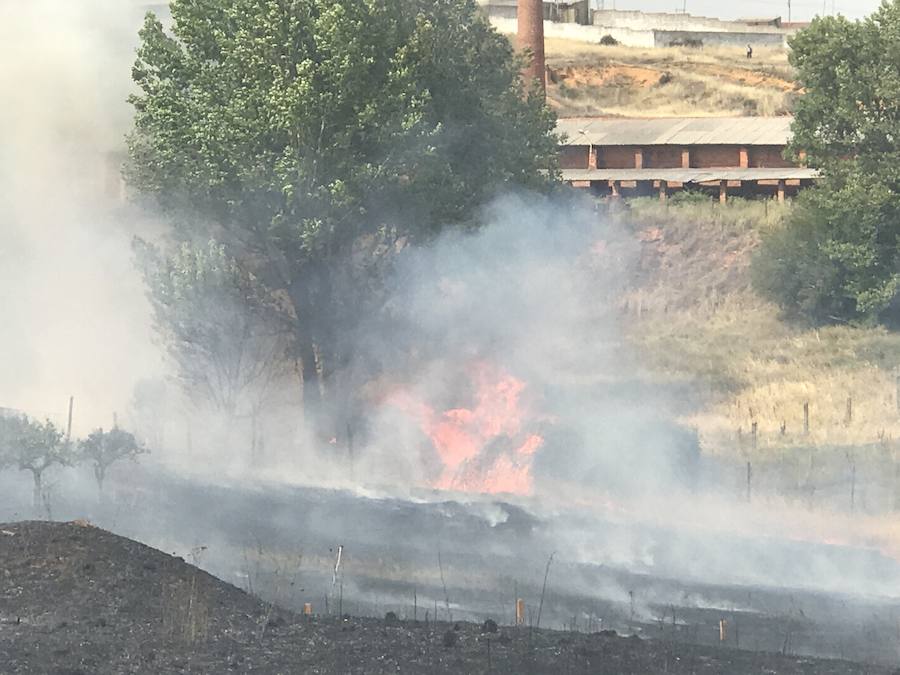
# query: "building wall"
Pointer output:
{"type": "Point", "coordinates": [616, 157]}
{"type": "Point", "coordinates": [636, 20]}
{"type": "Point", "coordinates": [662, 157]}
{"type": "Point", "coordinates": [715, 156]}
{"type": "Point", "coordinates": [644, 38]}
{"type": "Point", "coordinates": [768, 156]}
{"type": "Point", "coordinates": [670, 38]}
{"type": "Point", "coordinates": [574, 157]}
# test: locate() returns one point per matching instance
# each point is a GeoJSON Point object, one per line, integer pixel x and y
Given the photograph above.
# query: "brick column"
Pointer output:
{"type": "Point", "coordinates": [745, 158]}
{"type": "Point", "coordinates": [639, 158]}
{"type": "Point", "coordinates": [685, 159]}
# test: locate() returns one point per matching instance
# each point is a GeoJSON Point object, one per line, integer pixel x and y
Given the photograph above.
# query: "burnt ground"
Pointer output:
{"type": "Point", "coordinates": [78, 599]}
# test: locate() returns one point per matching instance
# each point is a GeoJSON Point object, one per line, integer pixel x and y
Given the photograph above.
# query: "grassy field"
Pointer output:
{"type": "Point", "coordinates": [588, 79]}
{"type": "Point", "coordinates": [694, 317]}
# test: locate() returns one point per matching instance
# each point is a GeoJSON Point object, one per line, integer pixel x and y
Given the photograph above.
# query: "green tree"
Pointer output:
{"type": "Point", "coordinates": [34, 447]}
{"type": "Point", "coordinates": [837, 258]}
{"type": "Point", "coordinates": [220, 328]}
{"type": "Point", "coordinates": [314, 138]}
{"type": "Point", "coordinates": [101, 449]}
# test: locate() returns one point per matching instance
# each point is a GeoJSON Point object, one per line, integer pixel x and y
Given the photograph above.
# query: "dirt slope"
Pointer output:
{"type": "Point", "coordinates": [589, 79]}
{"type": "Point", "coordinates": [76, 599]}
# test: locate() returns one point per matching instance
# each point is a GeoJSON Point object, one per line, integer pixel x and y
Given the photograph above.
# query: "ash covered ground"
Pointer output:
{"type": "Point", "coordinates": [78, 599]}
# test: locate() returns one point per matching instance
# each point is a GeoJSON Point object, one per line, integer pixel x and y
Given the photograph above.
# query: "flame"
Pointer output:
{"type": "Point", "coordinates": [483, 448]}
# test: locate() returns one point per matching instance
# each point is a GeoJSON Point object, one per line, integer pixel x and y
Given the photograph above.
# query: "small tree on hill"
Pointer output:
{"type": "Point", "coordinates": [35, 447]}
{"type": "Point", "coordinates": [101, 449]}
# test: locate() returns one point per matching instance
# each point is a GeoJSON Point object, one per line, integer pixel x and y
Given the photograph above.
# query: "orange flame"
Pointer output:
{"type": "Point", "coordinates": [482, 448]}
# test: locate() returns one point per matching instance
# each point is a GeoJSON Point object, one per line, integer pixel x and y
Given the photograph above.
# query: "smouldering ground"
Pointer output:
{"type": "Point", "coordinates": [77, 599]}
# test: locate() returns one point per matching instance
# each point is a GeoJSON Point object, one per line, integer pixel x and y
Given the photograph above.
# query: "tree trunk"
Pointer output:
{"type": "Point", "coordinates": [37, 492]}
{"type": "Point", "coordinates": [312, 396]}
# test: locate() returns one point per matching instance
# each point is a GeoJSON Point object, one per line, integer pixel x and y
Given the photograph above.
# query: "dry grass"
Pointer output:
{"type": "Point", "coordinates": [596, 80]}
{"type": "Point", "coordinates": [699, 321]}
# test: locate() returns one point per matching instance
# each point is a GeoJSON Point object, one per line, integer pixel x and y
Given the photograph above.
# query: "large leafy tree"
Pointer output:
{"type": "Point", "coordinates": [838, 257]}
{"type": "Point", "coordinates": [312, 138]}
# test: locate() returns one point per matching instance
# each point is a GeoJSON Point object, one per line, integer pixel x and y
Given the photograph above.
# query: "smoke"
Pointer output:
{"type": "Point", "coordinates": [510, 333]}
{"type": "Point", "coordinates": [481, 342]}
{"type": "Point", "coordinates": [75, 320]}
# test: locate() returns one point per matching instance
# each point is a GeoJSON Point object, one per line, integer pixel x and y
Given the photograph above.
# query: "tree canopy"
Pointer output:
{"type": "Point", "coordinates": [292, 130]}
{"type": "Point", "coordinates": [838, 257]}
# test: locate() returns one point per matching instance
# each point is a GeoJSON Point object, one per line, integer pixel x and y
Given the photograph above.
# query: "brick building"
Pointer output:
{"type": "Point", "coordinates": [639, 157]}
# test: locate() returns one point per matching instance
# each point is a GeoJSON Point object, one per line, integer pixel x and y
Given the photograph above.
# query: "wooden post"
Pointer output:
{"type": "Point", "coordinates": [897, 384]}
{"type": "Point", "coordinates": [592, 157]}
{"type": "Point", "coordinates": [663, 191]}
{"type": "Point", "coordinates": [781, 191]}
{"type": "Point", "coordinates": [806, 418]}
{"type": "Point", "coordinates": [723, 630]}
{"type": "Point", "coordinates": [749, 480]}
{"type": "Point", "coordinates": [745, 158]}
{"type": "Point", "coordinates": [723, 191]}
{"type": "Point", "coordinates": [614, 189]}
{"type": "Point", "coordinates": [753, 434]}
{"type": "Point", "coordinates": [69, 423]}
{"type": "Point", "coordinates": [639, 158]}
{"type": "Point", "coordinates": [685, 159]}
{"type": "Point", "coordinates": [520, 612]}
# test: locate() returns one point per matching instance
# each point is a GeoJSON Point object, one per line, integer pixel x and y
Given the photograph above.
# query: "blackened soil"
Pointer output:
{"type": "Point", "coordinates": [77, 599]}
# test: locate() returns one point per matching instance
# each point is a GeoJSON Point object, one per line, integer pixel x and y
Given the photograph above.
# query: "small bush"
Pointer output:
{"type": "Point", "coordinates": [609, 41]}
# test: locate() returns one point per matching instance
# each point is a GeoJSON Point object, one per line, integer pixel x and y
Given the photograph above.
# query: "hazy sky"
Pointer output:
{"type": "Point", "coordinates": [801, 10]}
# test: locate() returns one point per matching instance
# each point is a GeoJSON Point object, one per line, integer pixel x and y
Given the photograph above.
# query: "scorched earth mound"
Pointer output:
{"type": "Point", "coordinates": [77, 599]}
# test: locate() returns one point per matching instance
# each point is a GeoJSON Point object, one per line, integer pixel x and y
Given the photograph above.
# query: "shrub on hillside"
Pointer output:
{"type": "Point", "coordinates": [609, 41]}
{"type": "Point", "coordinates": [836, 258]}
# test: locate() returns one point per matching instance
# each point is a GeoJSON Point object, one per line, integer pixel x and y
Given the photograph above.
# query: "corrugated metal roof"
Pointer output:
{"type": "Point", "coordinates": [689, 175]}
{"type": "Point", "coordinates": [675, 131]}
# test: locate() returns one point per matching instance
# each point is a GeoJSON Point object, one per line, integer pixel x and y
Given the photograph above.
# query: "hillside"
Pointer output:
{"type": "Point", "coordinates": [588, 79]}
{"type": "Point", "coordinates": [694, 318]}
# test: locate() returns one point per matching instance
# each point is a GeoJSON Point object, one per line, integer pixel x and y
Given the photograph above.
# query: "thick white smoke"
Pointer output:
{"type": "Point", "coordinates": [74, 318]}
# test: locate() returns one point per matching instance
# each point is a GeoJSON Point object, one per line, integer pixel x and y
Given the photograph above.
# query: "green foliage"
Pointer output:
{"type": "Point", "coordinates": [29, 445]}
{"type": "Point", "coordinates": [837, 258]}
{"type": "Point", "coordinates": [301, 121]}
{"type": "Point", "coordinates": [216, 320]}
{"type": "Point", "coordinates": [289, 130]}
{"type": "Point", "coordinates": [101, 449]}
{"type": "Point", "coordinates": [33, 446]}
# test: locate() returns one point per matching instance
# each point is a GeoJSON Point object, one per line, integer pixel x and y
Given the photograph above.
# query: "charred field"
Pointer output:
{"type": "Point", "coordinates": [80, 599]}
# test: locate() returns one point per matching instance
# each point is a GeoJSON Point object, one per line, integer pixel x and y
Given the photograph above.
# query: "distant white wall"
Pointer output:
{"type": "Point", "coordinates": [665, 38]}
{"type": "Point", "coordinates": [590, 34]}
{"type": "Point", "coordinates": [611, 18]}
{"type": "Point", "coordinates": [650, 37]}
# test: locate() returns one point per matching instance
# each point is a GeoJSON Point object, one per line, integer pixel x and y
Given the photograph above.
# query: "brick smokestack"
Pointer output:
{"type": "Point", "coordinates": [531, 38]}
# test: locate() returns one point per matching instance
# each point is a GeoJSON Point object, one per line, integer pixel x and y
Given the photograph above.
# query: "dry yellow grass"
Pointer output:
{"type": "Point", "coordinates": [699, 324]}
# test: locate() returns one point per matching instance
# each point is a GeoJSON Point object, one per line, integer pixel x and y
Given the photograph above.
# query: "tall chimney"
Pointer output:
{"type": "Point", "coordinates": [531, 38]}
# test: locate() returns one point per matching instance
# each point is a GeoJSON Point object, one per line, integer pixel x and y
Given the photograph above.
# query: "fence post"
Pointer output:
{"type": "Point", "coordinates": [806, 418]}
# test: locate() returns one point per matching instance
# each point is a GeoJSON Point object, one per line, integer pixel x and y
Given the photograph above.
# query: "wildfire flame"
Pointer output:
{"type": "Point", "coordinates": [484, 448]}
